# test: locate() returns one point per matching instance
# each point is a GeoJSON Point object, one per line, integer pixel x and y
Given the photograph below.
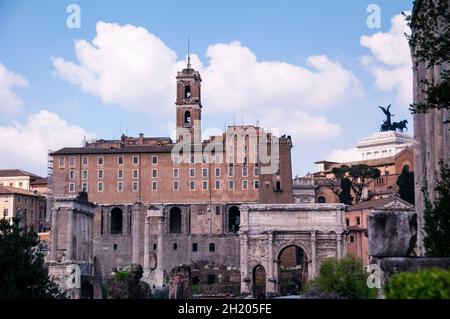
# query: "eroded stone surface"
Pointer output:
{"type": "Point", "coordinates": [392, 233]}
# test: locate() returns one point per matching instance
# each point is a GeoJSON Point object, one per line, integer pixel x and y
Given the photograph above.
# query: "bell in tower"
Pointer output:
{"type": "Point", "coordinates": [189, 106]}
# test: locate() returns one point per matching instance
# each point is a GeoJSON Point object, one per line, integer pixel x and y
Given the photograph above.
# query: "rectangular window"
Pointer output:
{"type": "Point", "coordinates": [154, 173]}
{"type": "Point", "coordinates": [217, 171]}
{"type": "Point", "coordinates": [61, 162]}
{"type": "Point", "coordinates": [217, 210]}
{"type": "Point", "coordinates": [212, 247]}
{"type": "Point", "coordinates": [100, 160]}
{"type": "Point", "coordinates": [72, 187]}
{"type": "Point", "coordinates": [176, 186]}
{"type": "Point", "coordinates": [72, 161]}
{"type": "Point", "coordinates": [245, 161]}
{"type": "Point", "coordinates": [154, 186]}
{"type": "Point", "coordinates": [100, 174]}
{"type": "Point", "coordinates": [358, 221]}
{"type": "Point", "coordinates": [120, 186]}
{"type": "Point", "coordinates": [135, 173]}
{"type": "Point", "coordinates": [84, 175]}
{"type": "Point", "coordinates": [120, 174]}
{"type": "Point", "coordinates": [245, 185]}
{"type": "Point", "coordinates": [230, 170]}
{"type": "Point", "coordinates": [245, 171]}
{"type": "Point", "coordinates": [176, 160]}
{"type": "Point", "coordinates": [176, 173]}
{"type": "Point", "coordinates": [135, 160]}
{"type": "Point", "coordinates": [347, 222]}
{"type": "Point", "coordinates": [204, 172]}
{"type": "Point", "coordinates": [194, 247]}
{"type": "Point", "coordinates": [205, 185]}
{"type": "Point", "coordinates": [100, 186]}
{"type": "Point", "coordinates": [230, 184]}
{"type": "Point", "coordinates": [192, 172]}
{"type": "Point", "coordinates": [192, 185]}
{"type": "Point", "coordinates": [5, 212]}
{"type": "Point", "coordinates": [192, 159]}
{"type": "Point", "coordinates": [217, 185]}
{"type": "Point", "coordinates": [256, 172]}
{"type": "Point", "coordinates": [256, 184]}
{"type": "Point", "coordinates": [72, 174]}
{"type": "Point", "coordinates": [154, 160]}
{"type": "Point", "coordinates": [352, 238]}
{"type": "Point", "coordinates": [218, 159]}
{"type": "Point", "coordinates": [85, 161]}
{"type": "Point", "coordinates": [84, 187]}
{"type": "Point", "coordinates": [135, 186]}
{"type": "Point", "coordinates": [120, 160]}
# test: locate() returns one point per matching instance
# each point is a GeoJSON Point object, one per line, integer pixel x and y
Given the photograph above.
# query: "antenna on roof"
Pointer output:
{"type": "Point", "coordinates": [189, 55]}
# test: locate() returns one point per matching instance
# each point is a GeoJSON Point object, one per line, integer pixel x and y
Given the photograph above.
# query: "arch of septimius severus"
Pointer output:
{"type": "Point", "coordinates": [266, 230]}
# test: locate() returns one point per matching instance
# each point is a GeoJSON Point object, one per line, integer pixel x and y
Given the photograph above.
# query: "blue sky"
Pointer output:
{"type": "Point", "coordinates": [286, 33]}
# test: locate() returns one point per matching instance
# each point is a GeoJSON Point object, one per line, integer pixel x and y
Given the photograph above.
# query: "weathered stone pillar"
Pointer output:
{"type": "Point", "coordinates": [136, 233]}
{"type": "Point", "coordinates": [313, 255]}
{"type": "Point", "coordinates": [270, 289]}
{"type": "Point", "coordinates": [159, 271]}
{"type": "Point", "coordinates": [338, 246]}
{"type": "Point", "coordinates": [147, 245]}
{"type": "Point", "coordinates": [245, 278]}
{"type": "Point", "coordinates": [70, 234]}
{"type": "Point", "coordinates": [54, 251]}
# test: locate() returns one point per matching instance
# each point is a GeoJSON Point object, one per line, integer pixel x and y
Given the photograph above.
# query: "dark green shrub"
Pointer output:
{"type": "Point", "coordinates": [423, 284]}
{"type": "Point", "coordinates": [344, 278]}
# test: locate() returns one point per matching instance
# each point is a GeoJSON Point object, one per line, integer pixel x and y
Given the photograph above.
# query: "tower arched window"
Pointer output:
{"type": "Point", "coordinates": [187, 118]}
{"type": "Point", "coordinates": [187, 92]}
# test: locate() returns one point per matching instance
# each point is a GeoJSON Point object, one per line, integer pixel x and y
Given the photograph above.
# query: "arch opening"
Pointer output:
{"type": "Point", "coordinates": [187, 118]}
{"type": "Point", "coordinates": [292, 270]}
{"type": "Point", "coordinates": [175, 220]}
{"type": "Point", "coordinates": [234, 219]}
{"type": "Point", "coordinates": [259, 282]}
{"type": "Point", "coordinates": [116, 221]}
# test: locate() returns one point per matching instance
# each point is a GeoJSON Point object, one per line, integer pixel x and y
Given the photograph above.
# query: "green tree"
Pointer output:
{"type": "Point", "coordinates": [437, 216]}
{"type": "Point", "coordinates": [23, 274]}
{"type": "Point", "coordinates": [345, 277]}
{"type": "Point", "coordinates": [430, 43]}
{"type": "Point", "coordinates": [405, 183]}
{"type": "Point", "coordinates": [423, 284]}
{"type": "Point", "coordinates": [352, 179]}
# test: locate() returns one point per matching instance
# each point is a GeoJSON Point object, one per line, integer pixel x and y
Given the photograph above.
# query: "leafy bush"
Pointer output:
{"type": "Point", "coordinates": [123, 275]}
{"type": "Point", "coordinates": [423, 284]}
{"type": "Point", "coordinates": [344, 278]}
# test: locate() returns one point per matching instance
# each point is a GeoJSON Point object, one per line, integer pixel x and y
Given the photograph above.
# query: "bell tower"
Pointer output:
{"type": "Point", "coordinates": [189, 106]}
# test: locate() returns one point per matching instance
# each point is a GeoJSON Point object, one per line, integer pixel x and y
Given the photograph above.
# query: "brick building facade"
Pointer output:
{"type": "Point", "coordinates": [197, 185]}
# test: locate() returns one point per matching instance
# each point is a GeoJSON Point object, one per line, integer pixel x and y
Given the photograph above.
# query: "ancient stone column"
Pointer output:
{"type": "Point", "coordinates": [147, 245]}
{"type": "Point", "coordinates": [270, 240]}
{"type": "Point", "coordinates": [245, 280]}
{"type": "Point", "coordinates": [339, 246]}
{"type": "Point", "coordinates": [136, 233]}
{"type": "Point", "coordinates": [70, 234]}
{"type": "Point", "coordinates": [160, 244]}
{"type": "Point", "coordinates": [313, 255]}
{"type": "Point", "coordinates": [270, 276]}
{"type": "Point", "coordinates": [54, 251]}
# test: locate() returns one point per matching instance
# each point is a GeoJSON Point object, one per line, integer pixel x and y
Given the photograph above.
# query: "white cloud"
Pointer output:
{"type": "Point", "coordinates": [132, 68]}
{"type": "Point", "coordinates": [300, 125]}
{"type": "Point", "coordinates": [344, 155]}
{"type": "Point", "coordinates": [235, 81]}
{"type": "Point", "coordinates": [390, 62]}
{"type": "Point", "coordinates": [27, 144]}
{"type": "Point", "coordinates": [9, 102]}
